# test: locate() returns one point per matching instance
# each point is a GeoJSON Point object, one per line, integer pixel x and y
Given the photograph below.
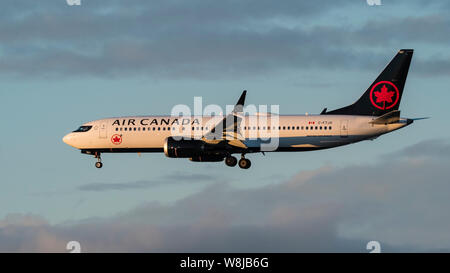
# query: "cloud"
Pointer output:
{"type": "Point", "coordinates": [397, 200]}
{"type": "Point", "coordinates": [194, 39]}
{"type": "Point", "coordinates": [433, 148]}
{"type": "Point", "coordinates": [171, 179]}
{"type": "Point", "coordinates": [22, 220]}
{"type": "Point", "coordinates": [438, 66]}
{"type": "Point", "coordinates": [391, 30]}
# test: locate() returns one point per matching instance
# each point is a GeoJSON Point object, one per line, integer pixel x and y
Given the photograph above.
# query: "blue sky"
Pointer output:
{"type": "Point", "coordinates": [61, 66]}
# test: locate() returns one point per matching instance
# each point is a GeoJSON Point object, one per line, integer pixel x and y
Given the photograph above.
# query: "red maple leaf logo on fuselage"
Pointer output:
{"type": "Point", "coordinates": [116, 139]}
{"type": "Point", "coordinates": [384, 96]}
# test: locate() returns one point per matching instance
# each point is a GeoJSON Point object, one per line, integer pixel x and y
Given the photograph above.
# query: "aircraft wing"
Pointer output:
{"type": "Point", "coordinates": [228, 129]}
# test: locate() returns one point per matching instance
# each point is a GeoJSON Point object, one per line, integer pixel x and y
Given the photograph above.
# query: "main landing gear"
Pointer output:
{"type": "Point", "coordinates": [243, 163]}
{"type": "Point", "coordinates": [230, 161]}
{"type": "Point", "coordinates": [99, 163]}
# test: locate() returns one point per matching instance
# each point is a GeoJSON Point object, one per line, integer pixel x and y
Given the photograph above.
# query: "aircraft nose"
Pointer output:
{"type": "Point", "coordinates": [68, 139]}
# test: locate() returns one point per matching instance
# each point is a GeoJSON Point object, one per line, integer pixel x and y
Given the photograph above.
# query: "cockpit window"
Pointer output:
{"type": "Point", "coordinates": [83, 129]}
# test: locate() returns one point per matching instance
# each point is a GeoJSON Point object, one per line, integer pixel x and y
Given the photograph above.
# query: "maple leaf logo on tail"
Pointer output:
{"type": "Point", "coordinates": [384, 97]}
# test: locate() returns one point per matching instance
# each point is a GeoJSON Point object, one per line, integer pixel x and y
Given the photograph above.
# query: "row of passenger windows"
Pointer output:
{"type": "Point", "coordinates": [289, 128]}
{"type": "Point", "coordinates": [245, 128]}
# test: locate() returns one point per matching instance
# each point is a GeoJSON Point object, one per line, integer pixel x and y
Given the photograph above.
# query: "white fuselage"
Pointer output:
{"type": "Point", "coordinates": [289, 132]}
{"type": "Point", "coordinates": [215, 139]}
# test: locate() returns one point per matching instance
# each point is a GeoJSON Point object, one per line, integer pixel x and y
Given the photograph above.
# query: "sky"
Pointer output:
{"type": "Point", "coordinates": [62, 66]}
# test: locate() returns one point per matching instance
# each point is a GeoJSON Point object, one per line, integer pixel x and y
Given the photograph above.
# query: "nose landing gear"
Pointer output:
{"type": "Point", "coordinates": [99, 163]}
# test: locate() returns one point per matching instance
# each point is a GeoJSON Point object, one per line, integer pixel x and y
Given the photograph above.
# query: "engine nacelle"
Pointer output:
{"type": "Point", "coordinates": [184, 148]}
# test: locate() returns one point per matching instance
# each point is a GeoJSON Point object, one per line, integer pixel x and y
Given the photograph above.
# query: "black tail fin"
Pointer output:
{"type": "Point", "coordinates": [385, 93]}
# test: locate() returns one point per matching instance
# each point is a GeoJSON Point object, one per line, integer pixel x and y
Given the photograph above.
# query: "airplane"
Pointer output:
{"type": "Point", "coordinates": [217, 138]}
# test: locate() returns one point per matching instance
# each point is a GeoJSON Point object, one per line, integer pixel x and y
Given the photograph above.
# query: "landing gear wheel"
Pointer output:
{"type": "Point", "coordinates": [99, 163]}
{"type": "Point", "coordinates": [230, 161]}
{"type": "Point", "coordinates": [244, 163]}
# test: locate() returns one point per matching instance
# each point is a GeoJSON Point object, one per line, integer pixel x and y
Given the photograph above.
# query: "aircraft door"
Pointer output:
{"type": "Point", "coordinates": [344, 128]}
{"type": "Point", "coordinates": [103, 131]}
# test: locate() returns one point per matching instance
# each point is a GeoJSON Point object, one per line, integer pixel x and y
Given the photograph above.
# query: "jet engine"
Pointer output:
{"type": "Point", "coordinates": [185, 148]}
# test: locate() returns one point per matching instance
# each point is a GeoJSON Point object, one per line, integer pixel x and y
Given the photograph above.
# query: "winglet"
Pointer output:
{"type": "Point", "coordinates": [239, 107]}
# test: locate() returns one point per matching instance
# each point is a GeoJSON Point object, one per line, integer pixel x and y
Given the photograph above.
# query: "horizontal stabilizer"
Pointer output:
{"type": "Point", "coordinates": [391, 117]}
